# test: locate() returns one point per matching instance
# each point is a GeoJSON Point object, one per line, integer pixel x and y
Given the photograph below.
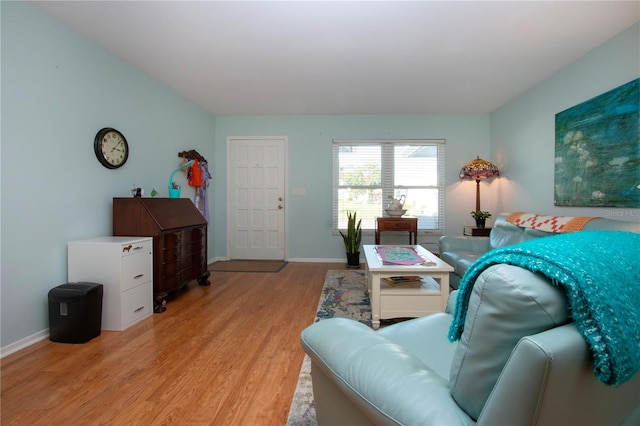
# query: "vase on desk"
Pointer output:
{"type": "Point", "coordinates": [480, 223]}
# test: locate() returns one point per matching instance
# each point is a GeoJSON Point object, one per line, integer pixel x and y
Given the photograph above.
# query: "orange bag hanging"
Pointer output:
{"type": "Point", "coordinates": [194, 177]}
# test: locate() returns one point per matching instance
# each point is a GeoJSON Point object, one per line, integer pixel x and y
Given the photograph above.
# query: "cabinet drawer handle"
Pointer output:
{"type": "Point", "coordinates": [138, 248]}
{"type": "Point", "coordinates": [139, 309]}
{"type": "Point", "coordinates": [138, 276]}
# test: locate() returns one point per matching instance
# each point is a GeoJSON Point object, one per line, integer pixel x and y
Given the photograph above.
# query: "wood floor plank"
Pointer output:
{"type": "Point", "coordinates": [225, 354]}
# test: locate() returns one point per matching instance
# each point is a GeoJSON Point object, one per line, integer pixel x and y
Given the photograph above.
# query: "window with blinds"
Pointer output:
{"type": "Point", "coordinates": [367, 173]}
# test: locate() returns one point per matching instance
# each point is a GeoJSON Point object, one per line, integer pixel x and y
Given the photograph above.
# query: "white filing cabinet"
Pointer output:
{"type": "Point", "coordinates": [123, 265]}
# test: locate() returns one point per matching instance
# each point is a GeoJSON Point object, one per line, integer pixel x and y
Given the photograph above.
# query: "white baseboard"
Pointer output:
{"type": "Point", "coordinates": [23, 343]}
{"type": "Point", "coordinates": [316, 260]}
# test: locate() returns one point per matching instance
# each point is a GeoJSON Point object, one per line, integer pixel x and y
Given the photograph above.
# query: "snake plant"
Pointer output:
{"type": "Point", "coordinates": [353, 237]}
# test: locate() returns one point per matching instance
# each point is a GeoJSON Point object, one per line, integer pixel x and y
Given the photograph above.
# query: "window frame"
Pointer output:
{"type": "Point", "coordinates": [387, 186]}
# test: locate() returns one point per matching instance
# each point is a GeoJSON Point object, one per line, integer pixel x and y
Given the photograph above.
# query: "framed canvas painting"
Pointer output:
{"type": "Point", "coordinates": [597, 161]}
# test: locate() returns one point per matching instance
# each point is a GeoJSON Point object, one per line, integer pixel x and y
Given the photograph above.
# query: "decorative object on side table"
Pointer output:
{"type": "Point", "coordinates": [480, 217]}
{"type": "Point", "coordinates": [477, 170]}
{"type": "Point", "coordinates": [395, 212]}
{"type": "Point", "coordinates": [395, 206]}
{"type": "Point", "coordinates": [352, 240]}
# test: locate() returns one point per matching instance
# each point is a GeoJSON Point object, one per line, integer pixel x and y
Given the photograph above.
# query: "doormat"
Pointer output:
{"type": "Point", "coordinates": [248, 266]}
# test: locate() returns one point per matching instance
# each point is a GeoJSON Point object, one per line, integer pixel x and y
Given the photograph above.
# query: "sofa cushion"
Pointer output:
{"type": "Point", "coordinates": [426, 338]}
{"type": "Point", "coordinates": [536, 233]}
{"type": "Point", "coordinates": [506, 304]}
{"type": "Point", "coordinates": [384, 380]}
{"type": "Point", "coordinates": [613, 225]}
{"type": "Point", "coordinates": [463, 264]}
{"type": "Point", "coordinates": [460, 260]}
{"type": "Point", "coordinates": [506, 234]}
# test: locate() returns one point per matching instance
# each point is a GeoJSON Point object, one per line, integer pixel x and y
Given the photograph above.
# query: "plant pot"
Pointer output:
{"type": "Point", "coordinates": [353, 260]}
{"type": "Point", "coordinates": [480, 223]}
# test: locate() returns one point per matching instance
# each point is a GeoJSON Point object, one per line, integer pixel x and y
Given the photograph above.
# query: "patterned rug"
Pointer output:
{"type": "Point", "coordinates": [344, 295]}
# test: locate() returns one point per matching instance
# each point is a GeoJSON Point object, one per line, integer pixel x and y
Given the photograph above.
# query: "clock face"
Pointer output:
{"type": "Point", "coordinates": [111, 148]}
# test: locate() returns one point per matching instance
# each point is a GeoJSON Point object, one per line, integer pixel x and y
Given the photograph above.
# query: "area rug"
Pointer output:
{"type": "Point", "coordinates": [344, 295]}
{"type": "Point", "coordinates": [247, 266]}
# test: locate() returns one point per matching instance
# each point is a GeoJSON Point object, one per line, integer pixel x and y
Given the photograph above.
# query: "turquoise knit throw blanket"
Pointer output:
{"type": "Point", "coordinates": [600, 273]}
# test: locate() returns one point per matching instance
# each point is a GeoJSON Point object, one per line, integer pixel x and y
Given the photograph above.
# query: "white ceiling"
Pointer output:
{"type": "Point", "coordinates": [338, 57]}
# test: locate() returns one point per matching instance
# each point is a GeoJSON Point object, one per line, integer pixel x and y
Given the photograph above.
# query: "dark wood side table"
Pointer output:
{"type": "Point", "coordinates": [472, 231]}
{"type": "Point", "coordinates": [408, 224]}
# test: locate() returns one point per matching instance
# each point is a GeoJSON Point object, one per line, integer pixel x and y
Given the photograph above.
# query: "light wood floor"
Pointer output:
{"type": "Point", "coordinates": [226, 354]}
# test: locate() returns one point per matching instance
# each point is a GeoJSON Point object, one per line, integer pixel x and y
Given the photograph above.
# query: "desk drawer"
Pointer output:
{"type": "Point", "coordinates": [396, 226]}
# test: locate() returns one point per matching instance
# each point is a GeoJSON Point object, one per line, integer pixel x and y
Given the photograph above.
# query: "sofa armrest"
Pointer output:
{"type": "Point", "coordinates": [464, 244]}
{"type": "Point", "coordinates": [549, 379]}
{"type": "Point", "coordinates": [378, 377]}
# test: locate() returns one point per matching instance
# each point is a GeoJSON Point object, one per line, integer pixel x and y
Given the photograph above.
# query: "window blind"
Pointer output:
{"type": "Point", "coordinates": [369, 173]}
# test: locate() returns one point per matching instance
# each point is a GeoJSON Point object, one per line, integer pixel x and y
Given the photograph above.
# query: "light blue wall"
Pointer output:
{"type": "Point", "coordinates": [58, 90]}
{"type": "Point", "coordinates": [522, 131]}
{"type": "Point", "coordinates": [310, 167]}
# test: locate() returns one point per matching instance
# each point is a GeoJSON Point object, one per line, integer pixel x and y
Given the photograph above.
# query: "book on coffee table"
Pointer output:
{"type": "Point", "coordinates": [405, 281]}
{"type": "Point", "coordinates": [394, 255]}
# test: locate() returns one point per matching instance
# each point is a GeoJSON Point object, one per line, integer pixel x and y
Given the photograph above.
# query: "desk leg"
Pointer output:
{"type": "Point", "coordinates": [377, 235]}
{"type": "Point", "coordinates": [374, 294]}
{"type": "Point", "coordinates": [415, 238]}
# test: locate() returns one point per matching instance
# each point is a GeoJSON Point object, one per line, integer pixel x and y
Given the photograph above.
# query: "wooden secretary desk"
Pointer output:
{"type": "Point", "coordinates": [179, 234]}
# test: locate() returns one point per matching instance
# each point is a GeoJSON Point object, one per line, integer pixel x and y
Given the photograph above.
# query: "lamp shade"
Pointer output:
{"type": "Point", "coordinates": [478, 169]}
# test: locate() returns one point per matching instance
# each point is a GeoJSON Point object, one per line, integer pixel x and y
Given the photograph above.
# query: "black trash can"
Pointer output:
{"type": "Point", "coordinates": [75, 312]}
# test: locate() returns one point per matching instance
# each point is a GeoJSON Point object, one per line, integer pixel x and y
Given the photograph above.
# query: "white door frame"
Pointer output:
{"type": "Point", "coordinates": [285, 229]}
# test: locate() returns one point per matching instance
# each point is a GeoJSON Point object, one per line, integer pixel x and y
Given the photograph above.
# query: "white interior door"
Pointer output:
{"type": "Point", "coordinates": [256, 197]}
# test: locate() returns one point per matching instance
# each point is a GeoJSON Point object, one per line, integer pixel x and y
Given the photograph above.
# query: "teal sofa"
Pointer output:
{"type": "Point", "coordinates": [460, 251]}
{"type": "Point", "coordinates": [520, 359]}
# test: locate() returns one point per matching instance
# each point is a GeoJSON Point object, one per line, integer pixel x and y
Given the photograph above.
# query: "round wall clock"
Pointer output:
{"type": "Point", "coordinates": [111, 148]}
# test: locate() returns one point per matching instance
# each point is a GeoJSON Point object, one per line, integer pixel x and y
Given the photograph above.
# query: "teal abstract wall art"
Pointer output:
{"type": "Point", "coordinates": [597, 160]}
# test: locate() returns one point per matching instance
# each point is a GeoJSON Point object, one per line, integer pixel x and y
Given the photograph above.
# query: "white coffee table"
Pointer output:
{"type": "Point", "coordinates": [400, 302]}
